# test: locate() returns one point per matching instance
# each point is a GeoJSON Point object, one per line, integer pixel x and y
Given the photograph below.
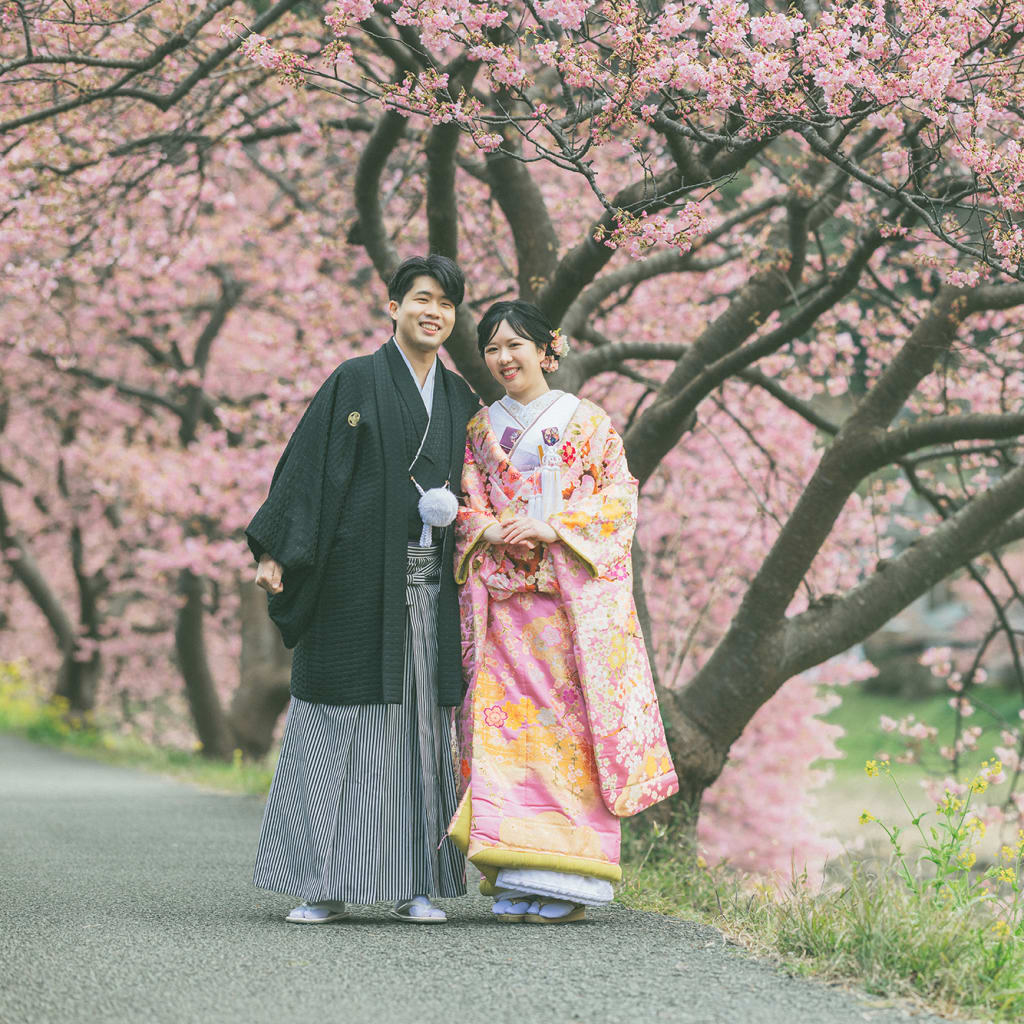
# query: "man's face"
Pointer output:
{"type": "Point", "coordinates": [425, 316]}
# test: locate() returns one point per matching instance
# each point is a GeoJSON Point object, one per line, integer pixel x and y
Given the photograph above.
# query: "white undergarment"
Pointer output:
{"type": "Point", "coordinates": [559, 885]}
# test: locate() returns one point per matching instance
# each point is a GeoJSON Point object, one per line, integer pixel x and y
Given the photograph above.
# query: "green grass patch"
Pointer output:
{"type": "Point", "coordinates": [928, 925]}
{"type": "Point", "coordinates": [24, 712]}
{"type": "Point", "coordinates": [863, 738]}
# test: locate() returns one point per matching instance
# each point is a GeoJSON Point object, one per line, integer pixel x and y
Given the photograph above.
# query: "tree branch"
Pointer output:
{"type": "Point", "coordinates": [372, 233]}
{"type": "Point", "coordinates": [442, 206]}
{"type": "Point", "coordinates": [828, 628]}
{"type": "Point", "coordinates": [716, 355]}
{"type": "Point", "coordinates": [945, 430]}
{"type": "Point", "coordinates": [581, 264]}
{"type": "Point", "coordinates": [26, 570]}
{"type": "Point", "coordinates": [522, 203]}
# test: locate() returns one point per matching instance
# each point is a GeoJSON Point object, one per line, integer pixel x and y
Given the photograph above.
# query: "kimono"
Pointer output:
{"type": "Point", "coordinates": [364, 786]}
{"type": "Point", "coordinates": [560, 733]}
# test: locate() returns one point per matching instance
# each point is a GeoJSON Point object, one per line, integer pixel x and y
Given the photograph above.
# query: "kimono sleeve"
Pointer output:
{"type": "Point", "coordinates": [475, 514]}
{"type": "Point", "coordinates": [297, 522]}
{"type": "Point", "coordinates": [599, 517]}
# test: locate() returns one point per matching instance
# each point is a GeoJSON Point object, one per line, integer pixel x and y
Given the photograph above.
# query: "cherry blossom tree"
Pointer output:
{"type": "Point", "coordinates": [785, 242]}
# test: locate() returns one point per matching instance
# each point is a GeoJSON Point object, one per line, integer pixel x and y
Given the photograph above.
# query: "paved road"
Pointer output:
{"type": "Point", "coordinates": [125, 897]}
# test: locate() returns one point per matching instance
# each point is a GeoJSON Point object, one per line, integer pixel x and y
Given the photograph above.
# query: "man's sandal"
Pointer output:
{"type": "Point", "coordinates": [318, 913]}
{"type": "Point", "coordinates": [418, 910]}
{"type": "Point", "coordinates": [557, 915]}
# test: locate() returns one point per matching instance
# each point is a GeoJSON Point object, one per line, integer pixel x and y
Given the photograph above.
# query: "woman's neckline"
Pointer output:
{"type": "Point", "coordinates": [518, 408]}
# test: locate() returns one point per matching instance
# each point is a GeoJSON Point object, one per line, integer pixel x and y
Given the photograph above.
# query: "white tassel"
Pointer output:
{"type": "Point", "coordinates": [437, 507]}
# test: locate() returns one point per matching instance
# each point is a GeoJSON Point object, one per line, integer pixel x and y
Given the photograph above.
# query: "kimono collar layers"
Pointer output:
{"type": "Point", "coordinates": [336, 519]}
{"type": "Point", "coordinates": [428, 443]}
{"type": "Point", "coordinates": [427, 390]}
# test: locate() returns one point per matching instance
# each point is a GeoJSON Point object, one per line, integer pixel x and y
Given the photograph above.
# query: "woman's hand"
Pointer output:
{"type": "Point", "coordinates": [528, 532]}
{"type": "Point", "coordinates": [493, 534]}
{"type": "Point", "coordinates": [270, 575]}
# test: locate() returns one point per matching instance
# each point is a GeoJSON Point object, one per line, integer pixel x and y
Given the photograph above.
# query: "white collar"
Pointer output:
{"type": "Point", "coordinates": [525, 412]}
{"type": "Point", "coordinates": [427, 390]}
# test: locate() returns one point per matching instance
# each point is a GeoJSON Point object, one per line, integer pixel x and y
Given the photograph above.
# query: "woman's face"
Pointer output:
{"type": "Point", "coordinates": [514, 363]}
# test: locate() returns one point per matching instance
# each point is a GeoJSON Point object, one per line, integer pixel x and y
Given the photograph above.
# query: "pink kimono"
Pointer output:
{"type": "Point", "coordinates": [560, 733]}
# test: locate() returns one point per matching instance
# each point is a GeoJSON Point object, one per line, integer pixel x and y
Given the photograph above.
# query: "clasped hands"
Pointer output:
{"type": "Point", "coordinates": [521, 534]}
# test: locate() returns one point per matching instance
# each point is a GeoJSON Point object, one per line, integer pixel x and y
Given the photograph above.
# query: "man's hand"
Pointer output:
{"type": "Point", "coordinates": [269, 575]}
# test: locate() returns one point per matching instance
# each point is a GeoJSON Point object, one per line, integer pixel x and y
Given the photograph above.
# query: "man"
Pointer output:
{"type": "Point", "coordinates": [363, 589]}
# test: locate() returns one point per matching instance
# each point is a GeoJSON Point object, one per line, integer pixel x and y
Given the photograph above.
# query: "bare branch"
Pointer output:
{"type": "Point", "coordinates": [657, 431]}
{"type": "Point", "coordinates": [372, 233]}
{"type": "Point", "coordinates": [442, 206]}
{"type": "Point", "coordinates": [946, 430]}
{"type": "Point", "coordinates": [991, 518]}
{"type": "Point", "coordinates": [522, 203]}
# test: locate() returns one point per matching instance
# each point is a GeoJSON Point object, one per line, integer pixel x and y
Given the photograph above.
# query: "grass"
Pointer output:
{"type": "Point", "coordinates": [24, 713]}
{"type": "Point", "coordinates": [927, 925]}
{"type": "Point", "coordinates": [859, 712]}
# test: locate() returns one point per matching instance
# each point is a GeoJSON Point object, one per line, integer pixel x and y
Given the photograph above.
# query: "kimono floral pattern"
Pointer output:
{"type": "Point", "coordinates": [560, 730]}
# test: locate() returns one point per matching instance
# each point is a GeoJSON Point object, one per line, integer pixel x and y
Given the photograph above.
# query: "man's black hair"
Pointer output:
{"type": "Point", "coordinates": [443, 270]}
{"type": "Point", "coordinates": [523, 317]}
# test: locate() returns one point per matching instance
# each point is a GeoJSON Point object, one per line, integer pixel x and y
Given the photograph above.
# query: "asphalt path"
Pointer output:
{"type": "Point", "coordinates": [127, 897]}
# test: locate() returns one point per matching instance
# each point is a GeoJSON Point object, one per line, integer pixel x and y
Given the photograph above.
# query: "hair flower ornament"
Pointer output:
{"type": "Point", "coordinates": [556, 348]}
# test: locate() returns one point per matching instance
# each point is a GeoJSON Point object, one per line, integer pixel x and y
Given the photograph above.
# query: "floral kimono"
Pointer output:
{"type": "Point", "coordinates": [560, 732]}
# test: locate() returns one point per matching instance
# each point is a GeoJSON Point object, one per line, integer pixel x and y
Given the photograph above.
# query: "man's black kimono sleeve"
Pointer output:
{"type": "Point", "coordinates": [297, 523]}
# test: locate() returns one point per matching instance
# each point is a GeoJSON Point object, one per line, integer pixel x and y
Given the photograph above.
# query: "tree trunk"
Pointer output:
{"type": "Point", "coordinates": [190, 646]}
{"type": "Point", "coordinates": [263, 691]}
{"type": "Point", "coordinates": [77, 682]}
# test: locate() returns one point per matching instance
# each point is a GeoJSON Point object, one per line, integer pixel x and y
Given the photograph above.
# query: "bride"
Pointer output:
{"type": "Point", "coordinates": [560, 733]}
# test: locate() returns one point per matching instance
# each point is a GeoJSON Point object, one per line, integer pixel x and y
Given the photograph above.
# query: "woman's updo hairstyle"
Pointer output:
{"type": "Point", "coordinates": [525, 319]}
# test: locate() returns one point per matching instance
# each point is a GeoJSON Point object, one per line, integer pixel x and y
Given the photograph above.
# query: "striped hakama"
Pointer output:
{"type": "Point", "coordinates": [363, 793]}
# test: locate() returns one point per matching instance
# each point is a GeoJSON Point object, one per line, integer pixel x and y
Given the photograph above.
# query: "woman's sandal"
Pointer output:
{"type": "Point", "coordinates": [510, 908]}
{"type": "Point", "coordinates": [576, 912]}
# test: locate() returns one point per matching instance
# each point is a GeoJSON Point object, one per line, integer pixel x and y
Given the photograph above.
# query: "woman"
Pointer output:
{"type": "Point", "coordinates": [560, 733]}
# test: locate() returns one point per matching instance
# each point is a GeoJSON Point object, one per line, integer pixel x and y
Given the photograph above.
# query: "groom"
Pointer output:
{"type": "Point", "coordinates": [363, 589]}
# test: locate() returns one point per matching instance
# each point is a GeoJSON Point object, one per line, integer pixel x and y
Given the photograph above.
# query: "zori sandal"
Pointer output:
{"type": "Point", "coordinates": [511, 907]}
{"type": "Point", "coordinates": [318, 913]}
{"type": "Point", "coordinates": [554, 912]}
{"type": "Point", "coordinates": [418, 910]}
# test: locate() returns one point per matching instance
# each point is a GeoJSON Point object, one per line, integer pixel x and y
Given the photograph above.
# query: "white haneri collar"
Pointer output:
{"type": "Point", "coordinates": [427, 391]}
{"type": "Point", "coordinates": [520, 412]}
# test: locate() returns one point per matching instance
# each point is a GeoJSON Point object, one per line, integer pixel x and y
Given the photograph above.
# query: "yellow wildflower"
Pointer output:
{"type": "Point", "coordinates": [967, 858]}
{"type": "Point", "coordinates": [866, 816]}
{"type": "Point", "coordinates": [951, 803]}
{"type": "Point", "coordinates": [871, 767]}
{"type": "Point", "coordinates": [701, 862]}
{"type": "Point", "coordinates": [1002, 929]}
{"type": "Point", "coordinates": [1006, 875]}
{"type": "Point", "coordinates": [1008, 853]}
{"type": "Point", "coordinates": [976, 825]}
{"type": "Point", "coordinates": [979, 784]}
